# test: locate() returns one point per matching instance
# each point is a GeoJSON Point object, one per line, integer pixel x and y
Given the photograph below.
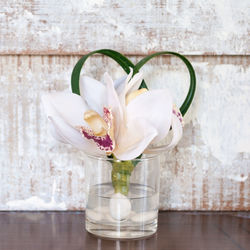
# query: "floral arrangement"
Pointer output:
{"type": "Point", "coordinates": [119, 119]}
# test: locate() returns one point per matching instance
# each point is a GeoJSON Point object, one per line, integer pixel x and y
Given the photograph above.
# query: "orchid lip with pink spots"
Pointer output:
{"type": "Point", "coordinates": [105, 142]}
{"type": "Point", "coordinates": [131, 126]}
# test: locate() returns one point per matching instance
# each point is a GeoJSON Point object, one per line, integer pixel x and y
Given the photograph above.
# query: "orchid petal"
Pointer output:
{"type": "Point", "coordinates": [131, 84]}
{"type": "Point", "coordinates": [155, 106]}
{"type": "Point", "coordinates": [177, 130]}
{"type": "Point", "coordinates": [70, 107]}
{"type": "Point", "coordinates": [130, 75]}
{"type": "Point", "coordinates": [57, 136]}
{"type": "Point", "coordinates": [134, 83]}
{"type": "Point", "coordinates": [105, 141]}
{"type": "Point", "coordinates": [122, 93]}
{"type": "Point", "coordinates": [94, 93]}
{"type": "Point", "coordinates": [120, 84]}
{"type": "Point", "coordinates": [134, 139]}
{"type": "Point", "coordinates": [73, 136]}
{"type": "Point", "coordinates": [113, 103]}
{"type": "Point", "coordinates": [95, 122]}
{"type": "Point", "coordinates": [123, 87]}
{"type": "Point", "coordinates": [134, 94]}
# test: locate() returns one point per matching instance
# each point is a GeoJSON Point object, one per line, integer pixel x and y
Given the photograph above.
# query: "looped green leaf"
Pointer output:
{"type": "Point", "coordinates": [123, 61]}
{"type": "Point", "coordinates": [126, 64]}
{"type": "Point", "coordinates": [190, 95]}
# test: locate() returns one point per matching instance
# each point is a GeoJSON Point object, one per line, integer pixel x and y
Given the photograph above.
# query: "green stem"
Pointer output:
{"type": "Point", "coordinates": [121, 172]}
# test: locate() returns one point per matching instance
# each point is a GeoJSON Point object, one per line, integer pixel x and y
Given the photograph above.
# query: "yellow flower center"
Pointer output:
{"type": "Point", "coordinates": [96, 123]}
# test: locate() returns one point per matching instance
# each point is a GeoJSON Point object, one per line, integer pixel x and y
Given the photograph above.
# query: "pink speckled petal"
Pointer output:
{"type": "Point", "coordinates": [104, 143]}
{"type": "Point", "coordinates": [73, 136]}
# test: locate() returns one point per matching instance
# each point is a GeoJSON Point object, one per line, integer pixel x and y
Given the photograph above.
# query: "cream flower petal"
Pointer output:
{"type": "Point", "coordinates": [129, 76]}
{"type": "Point", "coordinates": [134, 83]}
{"type": "Point", "coordinates": [73, 136]}
{"type": "Point", "coordinates": [155, 106]}
{"type": "Point", "coordinates": [134, 140]}
{"type": "Point", "coordinates": [114, 103]}
{"type": "Point", "coordinates": [177, 131]}
{"type": "Point", "coordinates": [94, 93]}
{"type": "Point", "coordinates": [70, 107]}
{"type": "Point", "coordinates": [57, 136]}
{"type": "Point", "coordinates": [128, 84]}
{"type": "Point", "coordinates": [119, 84]}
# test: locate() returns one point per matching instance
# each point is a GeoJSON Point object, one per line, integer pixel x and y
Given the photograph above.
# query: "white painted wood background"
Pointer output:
{"type": "Point", "coordinates": [41, 40]}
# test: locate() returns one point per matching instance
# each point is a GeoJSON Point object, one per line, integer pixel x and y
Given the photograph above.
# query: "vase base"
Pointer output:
{"type": "Point", "coordinates": [121, 232]}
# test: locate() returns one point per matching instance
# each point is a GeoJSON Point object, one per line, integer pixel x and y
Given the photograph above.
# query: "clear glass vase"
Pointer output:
{"type": "Point", "coordinates": [122, 197]}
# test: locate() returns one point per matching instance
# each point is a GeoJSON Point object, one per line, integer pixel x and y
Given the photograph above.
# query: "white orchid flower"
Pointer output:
{"type": "Point", "coordinates": [113, 117]}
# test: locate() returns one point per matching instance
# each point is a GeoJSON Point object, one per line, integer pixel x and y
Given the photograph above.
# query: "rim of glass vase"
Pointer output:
{"type": "Point", "coordinates": [144, 157]}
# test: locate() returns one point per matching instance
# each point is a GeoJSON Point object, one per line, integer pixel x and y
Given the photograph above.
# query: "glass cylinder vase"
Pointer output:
{"type": "Point", "coordinates": [122, 197]}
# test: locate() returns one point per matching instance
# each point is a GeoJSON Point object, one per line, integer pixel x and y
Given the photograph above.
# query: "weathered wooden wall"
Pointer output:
{"type": "Point", "coordinates": [40, 41]}
{"type": "Point", "coordinates": [134, 27]}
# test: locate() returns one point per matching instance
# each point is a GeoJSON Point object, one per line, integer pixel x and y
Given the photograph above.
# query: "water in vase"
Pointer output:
{"type": "Point", "coordinates": [138, 212]}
